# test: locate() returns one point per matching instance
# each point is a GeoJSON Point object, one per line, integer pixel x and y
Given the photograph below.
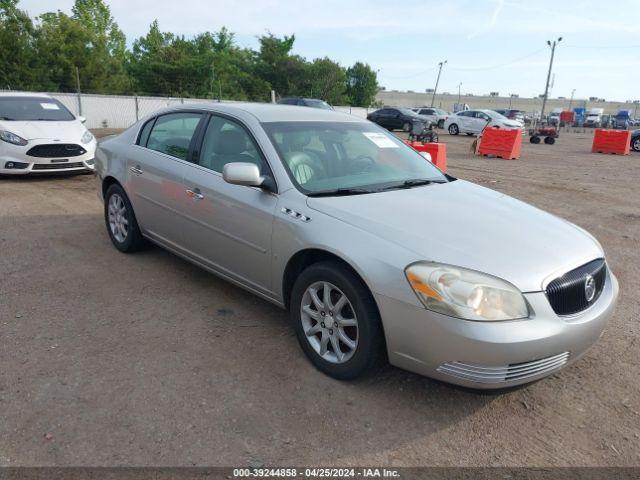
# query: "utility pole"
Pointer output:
{"type": "Point", "coordinates": [546, 88]}
{"type": "Point", "coordinates": [433, 98]}
{"type": "Point", "coordinates": [571, 99]}
{"type": "Point", "coordinates": [78, 89]}
{"type": "Point", "coordinates": [459, 85]}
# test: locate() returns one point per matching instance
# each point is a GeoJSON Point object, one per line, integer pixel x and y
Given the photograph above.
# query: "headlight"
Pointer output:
{"type": "Point", "coordinates": [12, 138]}
{"type": "Point", "coordinates": [87, 137]}
{"type": "Point", "coordinates": [466, 294]}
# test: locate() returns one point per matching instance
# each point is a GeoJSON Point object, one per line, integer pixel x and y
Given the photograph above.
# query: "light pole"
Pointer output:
{"type": "Point", "coordinates": [459, 85]}
{"type": "Point", "coordinates": [433, 98]}
{"type": "Point", "coordinates": [573, 92]}
{"type": "Point", "coordinates": [546, 88]}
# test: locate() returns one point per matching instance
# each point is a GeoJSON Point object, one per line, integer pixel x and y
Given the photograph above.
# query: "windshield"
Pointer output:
{"type": "Point", "coordinates": [324, 156]}
{"type": "Point", "coordinates": [318, 104]}
{"type": "Point", "coordinates": [496, 115]}
{"type": "Point", "coordinates": [33, 108]}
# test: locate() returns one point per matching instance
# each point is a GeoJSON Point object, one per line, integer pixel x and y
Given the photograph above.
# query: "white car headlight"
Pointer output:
{"type": "Point", "coordinates": [12, 138]}
{"type": "Point", "coordinates": [467, 294]}
{"type": "Point", "coordinates": [87, 137]}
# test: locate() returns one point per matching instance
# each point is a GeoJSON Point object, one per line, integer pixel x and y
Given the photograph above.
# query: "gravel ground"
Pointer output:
{"type": "Point", "coordinates": [111, 359]}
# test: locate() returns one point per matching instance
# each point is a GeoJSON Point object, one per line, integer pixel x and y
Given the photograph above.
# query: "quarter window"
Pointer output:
{"type": "Point", "coordinates": [172, 133]}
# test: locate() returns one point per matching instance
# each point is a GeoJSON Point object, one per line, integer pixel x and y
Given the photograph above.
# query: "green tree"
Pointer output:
{"type": "Point", "coordinates": [362, 85]}
{"type": "Point", "coordinates": [275, 65]}
{"type": "Point", "coordinates": [19, 65]}
{"type": "Point", "coordinates": [327, 80]}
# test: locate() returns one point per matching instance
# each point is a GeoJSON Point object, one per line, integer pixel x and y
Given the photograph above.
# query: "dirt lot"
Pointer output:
{"type": "Point", "coordinates": [112, 359]}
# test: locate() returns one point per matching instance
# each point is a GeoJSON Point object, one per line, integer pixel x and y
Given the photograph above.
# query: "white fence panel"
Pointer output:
{"type": "Point", "coordinates": [116, 111]}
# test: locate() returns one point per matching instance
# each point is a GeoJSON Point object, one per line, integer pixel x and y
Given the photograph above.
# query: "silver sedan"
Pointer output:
{"type": "Point", "coordinates": [376, 253]}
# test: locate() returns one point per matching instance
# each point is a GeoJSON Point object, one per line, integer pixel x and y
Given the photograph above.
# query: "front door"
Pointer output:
{"type": "Point", "coordinates": [228, 227]}
{"type": "Point", "coordinates": [156, 166]}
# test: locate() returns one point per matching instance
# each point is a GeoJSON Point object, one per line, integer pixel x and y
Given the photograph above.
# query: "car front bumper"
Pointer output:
{"type": "Point", "coordinates": [486, 355]}
{"type": "Point", "coordinates": [15, 161]}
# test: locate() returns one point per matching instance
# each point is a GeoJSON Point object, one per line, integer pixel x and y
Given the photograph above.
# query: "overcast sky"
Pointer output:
{"type": "Point", "coordinates": [490, 45]}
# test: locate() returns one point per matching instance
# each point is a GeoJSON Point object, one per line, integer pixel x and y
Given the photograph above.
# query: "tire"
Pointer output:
{"type": "Point", "coordinates": [121, 222]}
{"type": "Point", "coordinates": [367, 336]}
{"type": "Point", "coordinates": [406, 127]}
{"type": "Point", "coordinates": [453, 129]}
{"type": "Point", "coordinates": [535, 139]}
{"type": "Point", "coordinates": [434, 137]}
{"type": "Point", "coordinates": [441, 123]}
{"type": "Point", "coordinates": [549, 140]}
{"type": "Point", "coordinates": [635, 144]}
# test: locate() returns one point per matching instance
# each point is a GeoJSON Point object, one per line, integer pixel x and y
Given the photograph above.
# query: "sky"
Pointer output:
{"type": "Point", "coordinates": [489, 45]}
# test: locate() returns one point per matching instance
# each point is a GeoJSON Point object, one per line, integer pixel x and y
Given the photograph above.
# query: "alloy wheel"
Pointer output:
{"type": "Point", "coordinates": [118, 221]}
{"type": "Point", "coordinates": [329, 322]}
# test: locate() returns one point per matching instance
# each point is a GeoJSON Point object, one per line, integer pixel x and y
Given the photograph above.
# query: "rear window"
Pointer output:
{"type": "Point", "coordinates": [33, 109]}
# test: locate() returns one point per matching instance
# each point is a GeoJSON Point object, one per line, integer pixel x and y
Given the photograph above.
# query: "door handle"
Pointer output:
{"type": "Point", "coordinates": [136, 170]}
{"type": "Point", "coordinates": [195, 194]}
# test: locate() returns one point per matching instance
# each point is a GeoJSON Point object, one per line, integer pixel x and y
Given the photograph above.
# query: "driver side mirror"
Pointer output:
{"type": "Point", "coordinates": [81, 118]}
{"type": "Point", "coordinates": [247, 174]}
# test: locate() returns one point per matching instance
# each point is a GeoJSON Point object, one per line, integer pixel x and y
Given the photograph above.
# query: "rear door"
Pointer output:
{"type": "Point", "coordinates": [228, 227]}
{"type": "Point", "coordinates": [156, 166]}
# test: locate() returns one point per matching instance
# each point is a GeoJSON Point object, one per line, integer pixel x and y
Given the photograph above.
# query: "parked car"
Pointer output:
{"type": "Point", "coordinates": [305, 102]}
{"type": "Point", "coordinates": [435, 115]}
{"type": "Point", "coordinates": [39, 134]}
{"type": "Point", "coordinates": [472, 122]}
{"type": "Point", "coordinates": [393, 118]}
{"type": "Point", "coordinates": [362, 240]}
{"type": "Point", "coordinates": [517, 115]}
{"type": "Point", "coordinates": [635, 140]}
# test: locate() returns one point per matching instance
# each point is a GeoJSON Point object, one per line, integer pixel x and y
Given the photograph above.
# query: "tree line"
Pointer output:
{"type": "Point", "coordinates": [54, 51]}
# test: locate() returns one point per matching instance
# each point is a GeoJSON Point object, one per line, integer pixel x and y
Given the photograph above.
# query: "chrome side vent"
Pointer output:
{"type": "Point", "coordinates": [296, 215]}
{"type": "Point", "coordinates": [507, 373]}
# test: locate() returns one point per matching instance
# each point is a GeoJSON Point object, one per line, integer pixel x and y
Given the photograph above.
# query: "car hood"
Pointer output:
{"type": "Point", "coordinates": [34, 130]}
{"type": "Point", "coordinates": [463, 224]}
{"type": "Point", "coordinates": [510, 123]}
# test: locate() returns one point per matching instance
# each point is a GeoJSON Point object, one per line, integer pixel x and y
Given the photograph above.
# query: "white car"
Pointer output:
{"type": "Point", "coordinates": [39, 134]}
{"type": "Point", "coordinates": [472, 122]}
{"type": "Point", "coordinates": [436, 115]}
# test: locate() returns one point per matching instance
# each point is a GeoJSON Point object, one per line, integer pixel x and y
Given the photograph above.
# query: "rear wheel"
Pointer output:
{"type": "Point", "coordinates": [549, 140]}
{"type": "Point", "coordinates": [120, 220]}
{"type": "Point", "coordinates": [534, 139]}
{"type": "Point", "coordinates": [336, 321]}
{"type": "Point", "coordinates": [453, 129]}
{"type": "Point", "coordinates": [635, 144]}
{"type": "Point", "coordinates": [440, 123]}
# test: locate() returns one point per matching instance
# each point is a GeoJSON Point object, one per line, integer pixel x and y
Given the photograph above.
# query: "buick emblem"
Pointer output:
{"type": "Point", "coordinates": [589, 288]}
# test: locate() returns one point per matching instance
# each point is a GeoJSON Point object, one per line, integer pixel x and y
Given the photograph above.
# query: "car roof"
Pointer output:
{"type": "Point", "coordinates": [24, 94]}
{"type": "Point", "coordinates": [271, 112]}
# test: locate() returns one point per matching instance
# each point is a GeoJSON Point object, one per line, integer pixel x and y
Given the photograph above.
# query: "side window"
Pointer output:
{"type": "Point", "coordinates": [172, 133]}
{"type": "Point", "coordinates": [226, 141]}
{"type": "Point", "coordinates": [144, 133]}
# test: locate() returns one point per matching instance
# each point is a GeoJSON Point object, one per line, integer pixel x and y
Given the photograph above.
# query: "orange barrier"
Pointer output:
{"type": "Point", "coordinates": [438, 152]}
{"type": "Point", "coordinates": [611, 141]}
{"type": "Point", "coordinates": [504, 143]}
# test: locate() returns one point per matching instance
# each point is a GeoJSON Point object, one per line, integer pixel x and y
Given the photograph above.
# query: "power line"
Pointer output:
{"type": "Point", "coordinates": [603, 46]}
{"type": "Point", "coordinates": [511, 62]}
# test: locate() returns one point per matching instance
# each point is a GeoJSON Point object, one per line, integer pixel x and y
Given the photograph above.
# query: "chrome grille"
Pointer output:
{"type": "Point", "coordinates": [567, 294]}
{"type": "Point", "coordinates": [501, 374]}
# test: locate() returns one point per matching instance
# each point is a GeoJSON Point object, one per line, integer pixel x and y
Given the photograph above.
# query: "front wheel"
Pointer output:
{"type": "Point", "coordinates": [635, 144]}
{"type": "Point", "coordinates": [336, 321]}
{"type": "Point", "coordinates": [453, 129]}
{"type": "Point", "coordinates": [121, 222]}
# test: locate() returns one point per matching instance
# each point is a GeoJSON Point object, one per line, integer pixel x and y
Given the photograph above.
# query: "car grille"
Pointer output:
{"type": "Point", "coordinates": [567, 294]}
{"type": "Point", "coordinates": [56, 150]}
{"type": "Point", "coordinates": [502, 374]}
{"type": "Point", "coordinates": [57, 166]}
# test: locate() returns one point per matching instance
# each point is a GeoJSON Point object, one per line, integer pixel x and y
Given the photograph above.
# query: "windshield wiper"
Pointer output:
{"type": "Point", "coordinates": [338, 192]}
{"type": "Point", "coordinates": [416, 182]}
